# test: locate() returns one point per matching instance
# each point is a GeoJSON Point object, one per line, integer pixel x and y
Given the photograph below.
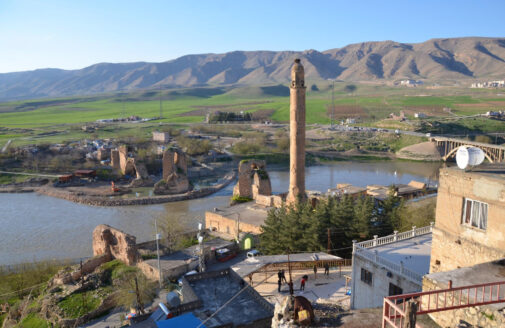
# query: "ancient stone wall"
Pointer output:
{"type": "Point", "coordinates": [219, 223]}
{"type": "Point", "coordinates": [114, 158]}
{"type": "Point", "coordinates": [120, 245]}
{"type": "Point", "coordinates": [253, 180]}
{"type": "Point", "coordinates": [455, 244]}
{"type": "Point", "coordinates": [175, 169]}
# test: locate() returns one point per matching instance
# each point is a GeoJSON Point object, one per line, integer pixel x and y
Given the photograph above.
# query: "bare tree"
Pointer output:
{"type": "Point", "coordinates": [172, 230]}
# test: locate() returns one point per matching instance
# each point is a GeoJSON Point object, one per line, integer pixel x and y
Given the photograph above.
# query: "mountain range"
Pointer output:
{"type": "Point", "coordinates": [433, 60]}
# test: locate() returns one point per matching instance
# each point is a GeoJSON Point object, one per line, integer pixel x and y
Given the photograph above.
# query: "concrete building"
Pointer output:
{"type": "Point", "coordinates": [296, 134]}
{"type": "Point", "coordinates": [389, 265]}
{"type": "Point", "coordinates": [470, 217]}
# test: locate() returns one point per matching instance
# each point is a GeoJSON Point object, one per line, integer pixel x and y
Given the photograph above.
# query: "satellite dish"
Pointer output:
{"type": "Point", "coordinates": [469, 156]}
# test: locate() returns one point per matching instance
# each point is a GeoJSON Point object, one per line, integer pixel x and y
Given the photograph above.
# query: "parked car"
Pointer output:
{"type": "Point", "coordinates": [253, 253]}
{"type": "Point", "coordinates": [224, 254]}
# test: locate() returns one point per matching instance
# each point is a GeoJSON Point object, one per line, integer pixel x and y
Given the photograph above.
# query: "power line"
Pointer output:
{"type": "Point", "coordinates": [231, 299]}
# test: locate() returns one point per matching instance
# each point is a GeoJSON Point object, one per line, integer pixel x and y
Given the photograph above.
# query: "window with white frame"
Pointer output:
{"type": "Point", "coordinates": [474, 213]}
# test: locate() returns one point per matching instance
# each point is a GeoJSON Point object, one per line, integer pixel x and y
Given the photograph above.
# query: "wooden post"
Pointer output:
{"type": "Point", "coordinates": [329, 242]}
{"type": "Point", "coordinates": [410, 314]}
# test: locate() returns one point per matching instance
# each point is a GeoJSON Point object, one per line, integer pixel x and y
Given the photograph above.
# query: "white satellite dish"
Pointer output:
{"type": "Point", "coordinates": [469, 156]}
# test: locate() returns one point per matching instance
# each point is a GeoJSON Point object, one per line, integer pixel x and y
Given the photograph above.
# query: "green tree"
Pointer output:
{"type": "Point", "coordinates": [363, 214]}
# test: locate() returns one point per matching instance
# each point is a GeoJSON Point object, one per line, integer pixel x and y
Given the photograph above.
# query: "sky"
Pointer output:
{"type": "Point", "coordinates": [73, 34]}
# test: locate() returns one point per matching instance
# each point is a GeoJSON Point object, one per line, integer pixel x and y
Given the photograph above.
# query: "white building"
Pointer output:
{"type": "Point", "coordinates": [389, 265]}
{"type": "Point", "coordinates": [419, 115]}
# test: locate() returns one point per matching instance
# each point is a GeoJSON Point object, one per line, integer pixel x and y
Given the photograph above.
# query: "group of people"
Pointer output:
{"type": "Point", "coordinates": [282, 277]}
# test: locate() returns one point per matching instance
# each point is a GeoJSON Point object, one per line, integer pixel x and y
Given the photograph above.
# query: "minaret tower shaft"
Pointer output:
{"type": "Point", "coordinates": [296, 134]}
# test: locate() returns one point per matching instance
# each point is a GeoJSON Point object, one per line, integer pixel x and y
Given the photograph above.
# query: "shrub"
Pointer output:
{"type": "Point", "coordinates": [240, 199]}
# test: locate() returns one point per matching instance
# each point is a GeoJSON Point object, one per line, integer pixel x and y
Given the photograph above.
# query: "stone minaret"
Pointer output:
{"type": "Point", "coordinates": [296, 134]}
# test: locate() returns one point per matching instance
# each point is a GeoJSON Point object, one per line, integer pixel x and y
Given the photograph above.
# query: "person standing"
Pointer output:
{"type": "Point", "coordinates": [326, 269]}
{"type": "Point", "coordinates": [302, 284]}
{"type": "Point", "coordinates": [283, 276]}
{"type": "Point", "coordinates": [315, 271]}
{"type": "Point", "coordinates": [279, 284]}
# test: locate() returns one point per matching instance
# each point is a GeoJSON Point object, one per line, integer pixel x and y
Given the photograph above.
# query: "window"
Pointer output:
{"type": "Point", "coordinates": [366, 276]}
{"type": "Point", "coordinates": [394, 290]}
{"type": "Point", "coordinates": [474, 214]}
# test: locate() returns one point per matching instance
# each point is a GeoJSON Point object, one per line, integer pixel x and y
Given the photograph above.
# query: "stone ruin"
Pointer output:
{"type": "Point", "coordinates": [175, 174]}
{"type": "Point", "coordinates": [115, 244]}
{"type": "Point", "coordinates": [129, 166]}
{"type": "Point", "coordinates": [253, 180]}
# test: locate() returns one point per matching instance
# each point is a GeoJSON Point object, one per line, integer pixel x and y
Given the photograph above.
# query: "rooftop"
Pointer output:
{"type": "Point", "coordinates": [249, 212]}
{"type": "Point", "coordinates": [216, 288]}
{"type": "Point", "coordinates": [490, 170]}
{"type": "Point", "coordinates": [414, 253]}
{"type": "Point", "coordinates": [253, 264]}
{"type": "Point", "coordinates": [407, 253]}
{"type": "Point", "coordinates": [478, 274]}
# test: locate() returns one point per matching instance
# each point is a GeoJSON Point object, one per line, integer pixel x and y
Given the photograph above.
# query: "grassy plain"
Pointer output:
{"type": "Point", "coordinates": [56, 120]}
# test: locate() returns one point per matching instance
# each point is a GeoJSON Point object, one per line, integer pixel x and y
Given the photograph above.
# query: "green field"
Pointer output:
{"type": "Point", "coordinates": [56, 120]}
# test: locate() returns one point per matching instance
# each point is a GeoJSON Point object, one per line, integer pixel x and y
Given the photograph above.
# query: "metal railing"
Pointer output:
{"type": "Point", "coordinates": [394, 310]}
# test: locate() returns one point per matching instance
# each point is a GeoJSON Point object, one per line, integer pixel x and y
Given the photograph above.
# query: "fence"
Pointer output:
{"type": "Point", "coordinates": [395, 307]}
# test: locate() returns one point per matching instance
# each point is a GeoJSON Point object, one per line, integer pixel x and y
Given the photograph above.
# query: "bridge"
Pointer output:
{"type": "Point", "coordinates": [449, 146]}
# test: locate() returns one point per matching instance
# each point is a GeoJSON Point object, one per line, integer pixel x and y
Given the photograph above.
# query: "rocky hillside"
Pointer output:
{"type": "Point", "coordinates": [436, 59]}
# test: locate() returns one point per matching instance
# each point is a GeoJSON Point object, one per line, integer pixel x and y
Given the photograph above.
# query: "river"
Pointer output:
{"type": "Point", "coordinates": [36, 227]}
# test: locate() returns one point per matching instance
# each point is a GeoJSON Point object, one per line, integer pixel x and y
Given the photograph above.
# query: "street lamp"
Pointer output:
{"type": "Point", "coordinates": [158, 237]}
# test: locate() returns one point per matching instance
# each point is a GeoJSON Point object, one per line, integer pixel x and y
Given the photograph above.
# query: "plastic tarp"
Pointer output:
{"type": "Point", "coordinates": [187, 320]}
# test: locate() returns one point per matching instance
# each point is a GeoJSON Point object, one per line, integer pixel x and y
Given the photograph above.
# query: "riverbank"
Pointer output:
{"type": "Point", "coordinates": [146, 200]}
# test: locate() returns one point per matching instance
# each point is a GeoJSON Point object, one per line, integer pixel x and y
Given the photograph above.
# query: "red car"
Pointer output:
{"type": "Point", "coordinates": [224, 254]}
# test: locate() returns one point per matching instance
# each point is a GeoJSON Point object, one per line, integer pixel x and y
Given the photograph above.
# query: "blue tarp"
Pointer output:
{"type": "Point", "coordinates": [187, 320]}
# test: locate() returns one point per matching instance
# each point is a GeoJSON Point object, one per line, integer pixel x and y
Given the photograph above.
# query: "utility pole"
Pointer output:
{"type": "Point", "coordinates": [332, 102]}
{"type": "Point", "coordinates": [238, 226]}
{"type": "Point", "coordinates": [201, 257]}
{"type": "Point", "coordinates": [139, 300]}
{"type": "Point", "coordinates": [291, 289]}
{"type": "Point", "coordinates": [158, 237]}
{"type": "Point", "coordinates": [329, 242]}
{"type": "Point", "coordinates": [161, 111]}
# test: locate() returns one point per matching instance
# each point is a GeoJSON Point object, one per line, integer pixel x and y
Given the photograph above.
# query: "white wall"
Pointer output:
{"type": "Point", "coordinates": [366, 296]}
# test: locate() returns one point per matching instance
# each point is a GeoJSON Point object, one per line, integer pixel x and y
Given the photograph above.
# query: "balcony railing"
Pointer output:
{"type": "Point", "coordinates": [396, 237]}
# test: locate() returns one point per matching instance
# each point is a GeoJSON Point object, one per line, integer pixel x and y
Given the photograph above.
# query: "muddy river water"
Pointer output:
{"type": "Point", "coordinates": [35, 227]}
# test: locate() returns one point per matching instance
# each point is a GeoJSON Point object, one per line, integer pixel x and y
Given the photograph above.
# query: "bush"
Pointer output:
{"type": "Point", "coordinates": [78, 304]}
{"type": "Point", "coordinates": [240, 199]}
{"type": "Point", "coordinates": [194, 146]}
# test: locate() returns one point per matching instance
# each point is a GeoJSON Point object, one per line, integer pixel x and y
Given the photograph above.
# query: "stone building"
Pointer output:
{"type": "Point", "coordinates": [389, 265]}
{"type": "Point", "coordinates": [470, 218]}
{"type": "Point", "coordinates": [468, 246]}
